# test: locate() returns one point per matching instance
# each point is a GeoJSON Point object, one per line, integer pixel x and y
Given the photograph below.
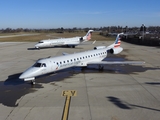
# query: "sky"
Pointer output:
{"type": "Point", "coordinates": [46, 14]}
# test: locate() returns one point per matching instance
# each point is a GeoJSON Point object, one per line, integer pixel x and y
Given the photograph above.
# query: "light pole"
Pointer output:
{"type": "Point", "coordinates": [143, 30]}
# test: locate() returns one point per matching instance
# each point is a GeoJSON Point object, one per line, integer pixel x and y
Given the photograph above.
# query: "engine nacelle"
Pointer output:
{"type": "Point", "coordinates": [99, 47]}
{"type": "Point", "coordinates": [81, 39]}
{"type": "Point", "coordinates": [115, 50]}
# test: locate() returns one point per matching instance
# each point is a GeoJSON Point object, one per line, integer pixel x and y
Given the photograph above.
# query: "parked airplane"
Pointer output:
{"type": "Point", "coordinates": [53, 64]}
{"type": "Point", "coordinates": [70, 42]}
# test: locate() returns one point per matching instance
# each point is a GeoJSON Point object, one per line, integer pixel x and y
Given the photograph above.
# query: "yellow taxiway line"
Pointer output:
{"type": "Point", "coordinates": [68, 94]}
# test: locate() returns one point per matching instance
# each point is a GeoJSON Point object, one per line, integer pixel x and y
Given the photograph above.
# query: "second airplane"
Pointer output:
{"type": "Point", "coordinates": [70, 42]}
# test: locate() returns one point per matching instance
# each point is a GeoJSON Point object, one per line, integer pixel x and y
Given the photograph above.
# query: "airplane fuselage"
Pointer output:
{"type": "Point", "coordinates": [71, 42]}
{"type": "Point", "coordinates": [58, 42]}
{"type": "Point", "coordinates": [53, 64]}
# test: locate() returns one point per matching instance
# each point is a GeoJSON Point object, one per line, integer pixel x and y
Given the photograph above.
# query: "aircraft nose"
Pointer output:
{"type": "Point", "coordinates": [26, 74]}
{"type": "Point", "coordinates": [37, 46]}
{"type": "Point", "coordinates": [22, 76]}
{"type": "Point", "coordinates": [30, 73]}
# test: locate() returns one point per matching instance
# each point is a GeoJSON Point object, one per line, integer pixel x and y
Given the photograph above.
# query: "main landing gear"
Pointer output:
{"type": "Point", "coordinates": [33, 82]}
{"type": "Point", "coordinates": [71, 46]}
{"type": "Point", "coordinates": [101, 67]}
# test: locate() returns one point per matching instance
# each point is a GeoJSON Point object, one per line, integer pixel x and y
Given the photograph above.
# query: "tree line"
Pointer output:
{"type": "Point", "coordinates": [109, 29]}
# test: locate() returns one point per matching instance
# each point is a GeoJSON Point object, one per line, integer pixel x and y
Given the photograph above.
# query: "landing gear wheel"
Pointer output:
{"type": "Point", "coordinates": [84, 67]}
{"type": "Point", "coordinates": [72, 46]}
{"type": "Point", "coordinates": [33, 82]}
{"type": "Point", "coordinates": [101, 67]}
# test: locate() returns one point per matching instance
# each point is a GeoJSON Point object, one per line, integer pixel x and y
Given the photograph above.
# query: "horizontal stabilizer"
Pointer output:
{"type": "Point", "coordinates": [65, 53]}
{"type": "Point", "coordinates": [94, 42]}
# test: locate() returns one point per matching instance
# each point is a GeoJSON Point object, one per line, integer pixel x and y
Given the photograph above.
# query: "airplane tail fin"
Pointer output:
{"type": "Point", "coordinates": [88, 35]}
{"type": "Point", "coordinates": [115, 47]}
{"type": "Point", "coordinates": [117, 42]}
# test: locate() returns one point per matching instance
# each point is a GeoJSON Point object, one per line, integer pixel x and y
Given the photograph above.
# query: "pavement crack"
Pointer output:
{"type": "Point", "coordinates": [28, 113]}
{"type": "Point", "coordinates": [88, 97]}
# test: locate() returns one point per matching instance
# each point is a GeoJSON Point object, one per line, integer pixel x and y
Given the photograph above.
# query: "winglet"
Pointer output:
{"type": "Point", "coordinates": [65, 53]}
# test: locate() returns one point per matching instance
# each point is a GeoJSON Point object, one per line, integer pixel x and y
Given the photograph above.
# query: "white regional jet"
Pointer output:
{"type": "Point", "coordinates": [70, 42]}
{"type": "Point", "coordinates": [53, 64]}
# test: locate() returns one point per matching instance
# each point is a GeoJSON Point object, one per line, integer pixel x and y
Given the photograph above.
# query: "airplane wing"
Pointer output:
{"type": "Point", "coordinates": [117, 62]}
{"type": "Point", "coordinates": [88, 43]}
{"type": "Point", "coordinates": [83, 43]}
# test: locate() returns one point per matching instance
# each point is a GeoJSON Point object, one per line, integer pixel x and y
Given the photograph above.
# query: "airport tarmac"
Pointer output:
{"type": "Point", "coordinates": [119, 92]}
{"type": "Point", "coordinates": [18, 35]}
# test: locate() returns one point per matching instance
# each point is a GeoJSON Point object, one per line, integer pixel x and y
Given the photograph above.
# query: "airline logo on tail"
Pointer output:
{"type": "Point", "coordinates": [89, 35]}
{"type": "Point", "coordinates": [118, 41]}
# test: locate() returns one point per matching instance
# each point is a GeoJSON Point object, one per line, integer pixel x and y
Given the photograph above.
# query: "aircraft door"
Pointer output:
{"type": "Point", "coordinates": [55, 66]}
{"type": "Point", "coordinates": [52, 66]}
{"type": "Point", "coordinates": [48, 67]}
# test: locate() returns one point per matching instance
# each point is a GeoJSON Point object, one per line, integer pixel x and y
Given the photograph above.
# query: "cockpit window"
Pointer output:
{"type": "Point", "coordinates": [40, 42]}
{"type": "Point", "coordinates": [37, 65]}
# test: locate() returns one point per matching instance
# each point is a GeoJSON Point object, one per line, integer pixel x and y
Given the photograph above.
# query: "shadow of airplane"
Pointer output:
{"type": "Point", "coordinates": [124, 105]}
{"type": "Point", "coordinates": [153, 83]}
{"type": "Point", "coordinates": [64, 46]}
{"type": "Point", "coordinates": [119, 103]}
{"type": "Point", "coordinates": [13, 89]}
